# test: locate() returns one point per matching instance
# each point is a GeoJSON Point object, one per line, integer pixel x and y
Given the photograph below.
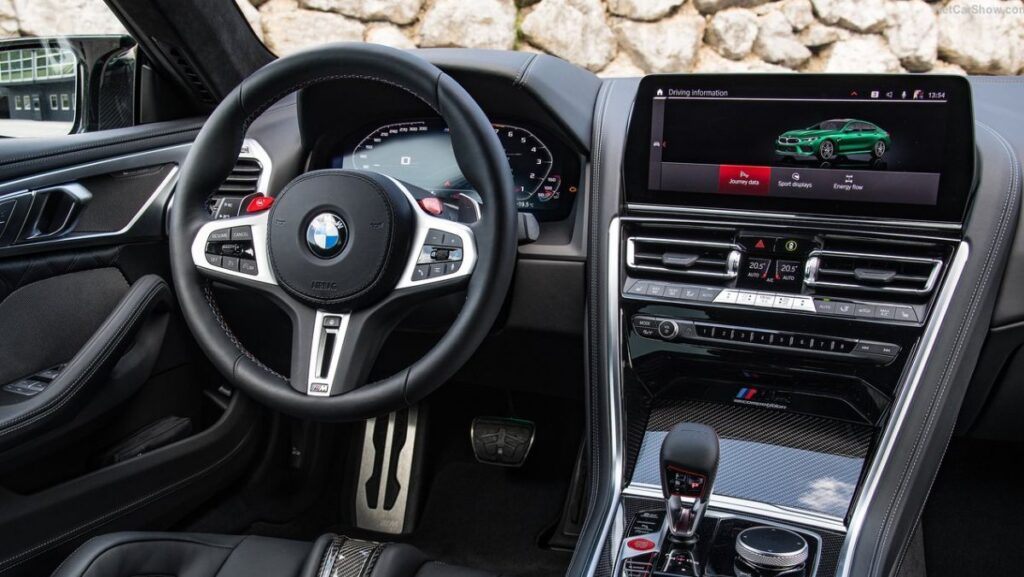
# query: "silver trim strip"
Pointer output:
{"type": "Point", "coordinates": [908, 388]}
{"type": "Point", "coordinates": [166, 185]}
{"type": "Point", "coordinates": [316, 353]}
{"type": "Point", "coordinates": [800, 218]}
{"type": "Point", "coordinates": [613, 391]}
{"type": "Point", "coordinates": [745, 506]}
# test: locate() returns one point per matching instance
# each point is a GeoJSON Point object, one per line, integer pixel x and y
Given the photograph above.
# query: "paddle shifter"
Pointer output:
{"type": "Point", "coordinates": [689, 461]}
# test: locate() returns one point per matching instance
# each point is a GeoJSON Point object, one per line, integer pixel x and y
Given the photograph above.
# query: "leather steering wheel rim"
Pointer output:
{"type": "Point", "coordinates": [482, 161]}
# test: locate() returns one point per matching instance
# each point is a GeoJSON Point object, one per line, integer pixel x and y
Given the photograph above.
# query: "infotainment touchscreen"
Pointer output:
{"type": "Point", "coordinates": [857, 145]}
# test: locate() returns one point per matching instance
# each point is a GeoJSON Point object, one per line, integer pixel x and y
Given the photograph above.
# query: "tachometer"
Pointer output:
{"type": "Point", "coordinates": [528, 157]}
{"type": "Point", "coordinates": [420, 153]}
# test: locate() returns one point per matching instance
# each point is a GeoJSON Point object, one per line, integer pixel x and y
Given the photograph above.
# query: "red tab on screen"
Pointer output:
{"type": "Point", "coordinates": [741, 179]}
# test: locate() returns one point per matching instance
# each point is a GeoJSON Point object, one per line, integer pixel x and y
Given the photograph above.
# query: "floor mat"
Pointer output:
{"type": "Point", "coordinates": [974, 518]}
{"type": "Point", "coordinates": [491, 517]}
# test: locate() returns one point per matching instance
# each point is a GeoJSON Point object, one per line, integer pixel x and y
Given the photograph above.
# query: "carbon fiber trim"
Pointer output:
{"type": "Point", "coordinates": [347, 557]}
{"type": "Point", "coordinates": [771, 427]}
{"type": "Point", "coordinates": [775, 457]}
{"type": "Point", "coordinates": [831, 542]}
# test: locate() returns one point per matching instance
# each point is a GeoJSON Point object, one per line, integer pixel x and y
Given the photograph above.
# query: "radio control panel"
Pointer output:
{"type": "Point", "coordinates": [673, 330]}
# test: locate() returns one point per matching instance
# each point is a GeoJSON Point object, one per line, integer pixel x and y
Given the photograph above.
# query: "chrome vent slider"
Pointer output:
{"type": "Point", "coordinates": [872, 272]}
{"type": "Point", "coordinates": [684, 257]}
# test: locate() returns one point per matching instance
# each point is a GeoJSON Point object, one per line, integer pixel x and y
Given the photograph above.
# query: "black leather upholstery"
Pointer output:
{"type": "Point", "coordinates": [185, 555]}
{"type": "Point", "coordinates": [136, 554]}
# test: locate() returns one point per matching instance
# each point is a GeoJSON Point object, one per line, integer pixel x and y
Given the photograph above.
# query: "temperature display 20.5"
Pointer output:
{"type": "Point", "coordinates": [772, 272]}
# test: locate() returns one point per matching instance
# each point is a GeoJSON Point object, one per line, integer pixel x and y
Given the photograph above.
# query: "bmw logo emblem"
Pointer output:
{"type": "Point", "coordinates": [326, 235]}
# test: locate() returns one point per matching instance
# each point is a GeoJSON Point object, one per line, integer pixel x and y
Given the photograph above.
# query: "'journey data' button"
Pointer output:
{"type": "Point", "coordinates": [740, 179]}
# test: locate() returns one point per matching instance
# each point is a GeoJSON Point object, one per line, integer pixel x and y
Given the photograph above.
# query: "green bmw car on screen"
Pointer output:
{"type": "Point", "coordinates": [831, 139]}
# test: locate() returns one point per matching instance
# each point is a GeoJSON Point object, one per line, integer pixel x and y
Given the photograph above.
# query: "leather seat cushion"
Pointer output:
{"type": "Point", "coordinates": [136, 554]}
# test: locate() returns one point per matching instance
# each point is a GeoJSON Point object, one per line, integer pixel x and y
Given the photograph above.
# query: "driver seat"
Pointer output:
{"type": "Point", "coordinates": [131, 554]}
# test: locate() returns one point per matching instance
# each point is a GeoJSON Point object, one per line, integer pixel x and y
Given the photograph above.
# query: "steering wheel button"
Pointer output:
{"type": "Point", "coordinates": [452, 267]}
{"type": "Point", "coordinates": [230, 263]}
{"type": "Point", "coordinates": [455, 254]}
{"type": "Point", "coordinates": [434, 236]}
{"type": "Point", "coordinates": [436, 269]}
{"type": "Point", "coordinates": [228, 208]}
{"type": "Point", "coordinates": [432, 205]}
{"type": "Point", "coordinates": [259, 203]}
{"type": "Point", "coordinates": [439, 254]}
{"type": "Point", "coordinates": [246, 266]}
{"type": "Point", "coordinates": [221, 235]}
{"type": "Point", "coordinates": [332, 322]}
{"type": "Point", "coordinates": [241, 233]}
{"type": "Point", "coordinates": [214, 259]}
{"type": "Point", "coordinates": [421, 272]}
{"type": "Point", "coordinates": [452, 240]}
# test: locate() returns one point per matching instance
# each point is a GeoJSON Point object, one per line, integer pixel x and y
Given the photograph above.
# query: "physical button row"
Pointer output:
{"type": "Point", "coordinates": [672, 329]}
{"type": "Point", "coordinates": [231, 249]}
{"type": "Point", "coordinates": [440, 255]}
{"type": "Point", "coordinates": [770, 300]}
{"type": "Point", "coordinates": [766, 300]}
{"type": "Point", "coordinates": [673, 291]}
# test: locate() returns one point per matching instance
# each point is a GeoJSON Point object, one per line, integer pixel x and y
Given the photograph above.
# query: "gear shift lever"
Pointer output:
{"type": "Point", "coordinates": [689, 462]}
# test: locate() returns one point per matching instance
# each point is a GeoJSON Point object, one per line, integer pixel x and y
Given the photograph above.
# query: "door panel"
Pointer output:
{"type": "Point", "coordinates": [84, 284]}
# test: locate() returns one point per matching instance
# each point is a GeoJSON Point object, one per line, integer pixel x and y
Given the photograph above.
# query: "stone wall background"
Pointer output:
{"type": "Point", "coordinates": [629, 37]}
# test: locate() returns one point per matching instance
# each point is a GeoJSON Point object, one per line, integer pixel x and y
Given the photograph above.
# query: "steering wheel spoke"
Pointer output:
{"type": "Point", "coordinates": [235, 250]}
{"type": "Point", "coordinates": [442, 250]}
{"type": "Point", "coordinates": [333, 352]}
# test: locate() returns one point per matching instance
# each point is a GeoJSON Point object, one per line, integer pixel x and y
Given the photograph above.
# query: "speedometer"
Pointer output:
{"type": "Point", "coordinates": [420, 153]}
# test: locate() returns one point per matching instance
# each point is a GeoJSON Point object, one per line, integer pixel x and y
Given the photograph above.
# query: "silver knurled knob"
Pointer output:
{"type": "Point", "coordinates": [771, 547]}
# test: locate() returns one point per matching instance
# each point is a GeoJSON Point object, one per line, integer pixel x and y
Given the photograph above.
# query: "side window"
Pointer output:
{"type": "Point", "coordinates": [44, 72]}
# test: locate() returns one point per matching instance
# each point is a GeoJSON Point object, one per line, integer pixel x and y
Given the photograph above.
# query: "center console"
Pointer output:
{"type": "Point", "coordinates": [778, 258]}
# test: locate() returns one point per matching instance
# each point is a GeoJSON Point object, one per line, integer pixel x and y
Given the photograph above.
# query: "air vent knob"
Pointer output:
{"type": "Point", "coordinates": [771, 548]}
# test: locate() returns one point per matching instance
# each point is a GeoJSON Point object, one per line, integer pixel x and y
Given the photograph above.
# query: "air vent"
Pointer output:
{"type": "Point", "coordinates": [244, 178]}
{"type": "Point", "coordinates": [857, 271]}
{"type": "Point", "coordinates": [682, 256]}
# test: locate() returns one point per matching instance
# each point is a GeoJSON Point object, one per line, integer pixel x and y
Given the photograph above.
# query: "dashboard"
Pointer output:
{"type": "Point", "coordinates": [780, 255]}
{"type": "Point", "coordinates": [545, 174]}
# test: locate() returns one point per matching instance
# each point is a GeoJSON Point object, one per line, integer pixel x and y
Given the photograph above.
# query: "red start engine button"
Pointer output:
{"type": "Point", "coordinates": [640, 544]}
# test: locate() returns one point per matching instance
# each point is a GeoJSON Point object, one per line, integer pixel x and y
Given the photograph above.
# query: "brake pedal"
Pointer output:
{"type": "Point", "coordinates": [502, 442]}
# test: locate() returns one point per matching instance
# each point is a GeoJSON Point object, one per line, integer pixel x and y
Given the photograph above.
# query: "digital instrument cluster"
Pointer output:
{"type": "Point", "coordinates": [545, 173]}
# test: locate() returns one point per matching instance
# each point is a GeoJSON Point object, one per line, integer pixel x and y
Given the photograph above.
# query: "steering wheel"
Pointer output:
{"type": "Point", "coordinates": [345, 253]}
